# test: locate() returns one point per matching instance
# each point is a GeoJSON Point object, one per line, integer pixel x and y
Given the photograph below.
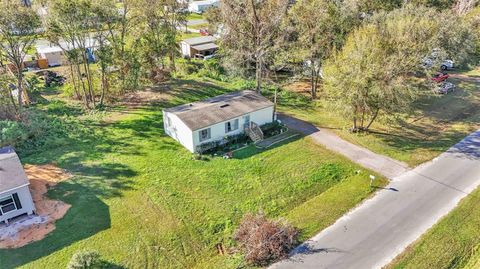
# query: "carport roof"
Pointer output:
{"type": "Point", "coordinates": [12, 174]}
{"type": "Point", "coordinates": [200, 40]}
{"type": "Point", "coordinates": [204, 47]}
{"type": "Point", "coordinates": [202, 114]}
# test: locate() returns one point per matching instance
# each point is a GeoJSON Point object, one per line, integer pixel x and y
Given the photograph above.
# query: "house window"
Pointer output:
{"type": "Point", "coordinates": [7, 204]}
{"type": "Point", "coordinates": [231, 126]}
{"type": "Point", "coordinates": [204, 134]}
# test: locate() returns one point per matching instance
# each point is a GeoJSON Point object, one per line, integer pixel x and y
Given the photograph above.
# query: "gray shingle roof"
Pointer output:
{"type": "Point", "coordinates": [12, 174]}
{"type": "Point", "coordinates": [200, 40]}
{"type": "Point", "coordinates": [218, 109]}
{"type": "Point", "coordinates": [203, 47]}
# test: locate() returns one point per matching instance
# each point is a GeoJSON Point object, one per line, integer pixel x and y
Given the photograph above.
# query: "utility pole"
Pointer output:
{"type": "Point", "coordinates": [274, 105]}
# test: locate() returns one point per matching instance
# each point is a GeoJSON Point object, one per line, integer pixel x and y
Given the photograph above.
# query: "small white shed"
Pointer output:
{"type": "Point", "coordinates": [15, 197]}
{"type": "Point", "coordinates": [53, 54]}
{"type": "Point", "coordinates": [215, 118]}
{"type": "Point", "coordinates": [204, 45]}
{"type": "Point", "coordinates": [202, 6]}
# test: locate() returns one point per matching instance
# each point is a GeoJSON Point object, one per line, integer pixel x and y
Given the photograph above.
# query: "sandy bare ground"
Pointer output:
{"type": "Point", "coordinates": [27, 229]}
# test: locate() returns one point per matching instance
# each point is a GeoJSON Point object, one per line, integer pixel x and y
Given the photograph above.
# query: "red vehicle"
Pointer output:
{"type": "Point", "coordinates": [440, 77]}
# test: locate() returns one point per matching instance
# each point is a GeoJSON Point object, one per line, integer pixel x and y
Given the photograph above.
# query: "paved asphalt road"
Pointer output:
{"type": "Point", "coordinates": [379, 229]}
{"type": "Point", "coordinates": [381, 164]}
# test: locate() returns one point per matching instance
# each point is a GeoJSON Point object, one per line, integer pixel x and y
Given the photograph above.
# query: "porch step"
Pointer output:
{"type": "Point", "coordinates": [254, 132]}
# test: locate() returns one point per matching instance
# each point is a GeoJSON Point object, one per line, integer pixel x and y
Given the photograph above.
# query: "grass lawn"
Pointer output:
{"type": "Point", "coordinates": [140, 200]}
{"type": "Point", "coordinates": [199, 26]}
{"type": "Point", "coordinates": [435, 124]}
{"type": "Point", "coordinates": [195, 16]}
{"type": "Point", "coordinates": [454, 242]}
{"type": "Point", "coordinates": [188, 35]}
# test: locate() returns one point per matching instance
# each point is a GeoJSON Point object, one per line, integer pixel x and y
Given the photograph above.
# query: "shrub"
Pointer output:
{"type": "Point", "coordinates": [12, 132]}
{"type": "Point", "coordinates": [187, 67]}
{"type": "Point", "coordinates": [85, 259]}
{"type": "Point", "coordinates": [227, 144]}
{"type": "Point", "coordinates": [273, 128]}
{"type": "Point", "coordinates": [265, 241]}
{"type": "Point", "coordinates": [212, 69]}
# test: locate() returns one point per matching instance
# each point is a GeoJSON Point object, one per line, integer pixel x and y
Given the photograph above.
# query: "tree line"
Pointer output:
{"type": "Point", "coordinates": [367, 55]}
{"type": "Point", "coordinates": [363, 55]}
{"type": "Point", "coordinates": [127, 36]}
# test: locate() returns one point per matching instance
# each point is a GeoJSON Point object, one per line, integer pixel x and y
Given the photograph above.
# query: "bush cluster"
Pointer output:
{"type": "Point", "coordinates": [226, 144]}
{"type": "Point", "coordinates": [37, 129]}
{"type": "Point", "coordinates": [271, 129]}
{"type": "Point", "coordinates": [86, 259]}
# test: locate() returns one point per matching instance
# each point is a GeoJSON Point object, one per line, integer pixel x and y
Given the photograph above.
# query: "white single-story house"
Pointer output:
{"type": "Point", "coordinates": [215, 118]}
{"type": "Point", "coordinates": [202, 6]}
{"type": "Point", "coordinates": [204, 45]}
{"type": "Point", "coordinates": [15, 197]}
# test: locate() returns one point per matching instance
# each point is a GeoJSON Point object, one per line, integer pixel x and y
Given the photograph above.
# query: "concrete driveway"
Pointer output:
{"type": "Point", "coordinates": [381, 228]}
{"type": "Point", "coordinates": [381, 164]}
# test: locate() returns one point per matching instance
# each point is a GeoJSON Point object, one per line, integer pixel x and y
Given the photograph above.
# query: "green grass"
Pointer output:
{"type": "Point", "coordinates": [195, 16]}
{"type": "Point", "coordinates": [199, 26]}
{"type": "Point", "coordinates": [454, 242]}
{"type": "Point", "coordinates": [188, 35]}
{"type": "Point", "coordinates": [434, 124]}
{"type": "Point", "coordinates": [140, 200]}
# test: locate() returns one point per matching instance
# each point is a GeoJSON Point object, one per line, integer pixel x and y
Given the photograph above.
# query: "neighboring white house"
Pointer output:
{"type": "Point", "coordinates": [15, 197]}
{"type": "Point", "coordinates": [202, 6]}
{"type": "Point", "coordinates": [215, 118]}
{"type": "Point", "coordinates": [204, 45]}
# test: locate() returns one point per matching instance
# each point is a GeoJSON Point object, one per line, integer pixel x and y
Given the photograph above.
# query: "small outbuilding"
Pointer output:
{"type": "Point", "coordinates": [203, 45]}
{"type": "Point", "coordinates": [52, 54]}
{"type": "Point", "coordinates": [15, 197]}
{"type": "Point", "coordinates": [214, 119]}
{"type": "Point", "coordinates": [202, 6]}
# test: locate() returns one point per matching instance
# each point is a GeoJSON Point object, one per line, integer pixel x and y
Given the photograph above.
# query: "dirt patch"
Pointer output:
{"type": "Point", "coordinates": [27, 229]}
{"type": "Point", "coordinates": [138, 99]}
{"type": "Point", "coordinates": [467, 78]}
{"type": "Point", "coordinates": [146, 96]}
{"type": "Point", "coordinates": [301, 87]}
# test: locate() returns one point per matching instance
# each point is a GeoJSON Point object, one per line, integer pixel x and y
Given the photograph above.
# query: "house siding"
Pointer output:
{"type": "Point", "coordinates": [25, 199]}
{"type": "Point", "coordinates": [186, 52]}
{"type": "Point", "coordinates": [178, 130]}
{"type": "Point", "coordinates": [53, 58]}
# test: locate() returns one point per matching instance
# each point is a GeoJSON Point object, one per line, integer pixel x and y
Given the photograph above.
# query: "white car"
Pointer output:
{"type": "Point", "coordinates": [445, 65]}
{"type": "Point", "coordinates": [203, 57]}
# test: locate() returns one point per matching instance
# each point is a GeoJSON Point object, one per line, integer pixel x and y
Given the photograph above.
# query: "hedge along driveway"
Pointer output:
{"type": "Point", "coordinates": [158, 208]}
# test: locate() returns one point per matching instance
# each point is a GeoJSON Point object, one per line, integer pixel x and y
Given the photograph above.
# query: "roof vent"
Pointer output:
{"type": "Point", "coordinates": [225, 105]}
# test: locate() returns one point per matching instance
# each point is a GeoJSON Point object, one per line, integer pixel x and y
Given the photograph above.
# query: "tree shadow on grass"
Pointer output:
{"type": "Point", "coordinates": [439, 142]}
{"type": "Point", "coordinates": [87, 216]}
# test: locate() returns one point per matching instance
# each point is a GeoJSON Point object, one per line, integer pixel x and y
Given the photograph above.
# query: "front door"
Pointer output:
{"type": "Point", "coordinates": [246, 121]}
